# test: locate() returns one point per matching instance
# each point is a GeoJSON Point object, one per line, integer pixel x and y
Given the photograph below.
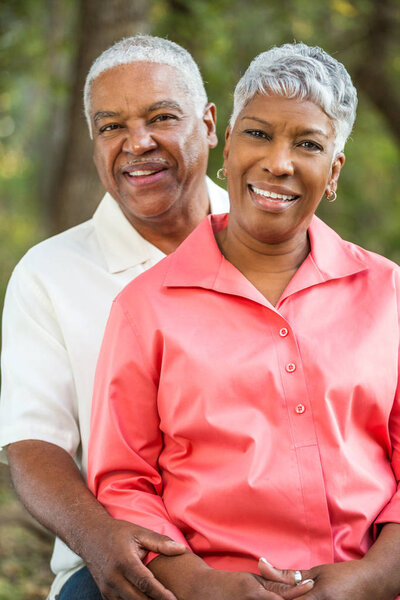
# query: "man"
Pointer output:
{"type": "Point", "coordinates": [152, 129]}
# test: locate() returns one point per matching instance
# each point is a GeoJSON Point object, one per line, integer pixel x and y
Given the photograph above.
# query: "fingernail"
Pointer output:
{"type": "Point", "coordinates": [264, 560]}
{"type": "Point", "coordinates": [306, 581]}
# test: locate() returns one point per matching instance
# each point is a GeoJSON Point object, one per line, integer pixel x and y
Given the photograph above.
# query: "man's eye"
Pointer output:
{"type": "Point", "coordinates": [161, 118]}
{"type": "Point", "coordinates": [109, 127]}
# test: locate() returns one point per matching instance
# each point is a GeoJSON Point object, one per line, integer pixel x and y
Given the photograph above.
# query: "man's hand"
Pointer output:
{"type": "Point", "coordinates": [51, 487]}
{"type": "Point", "coordinates": [114, 556]}
{"type": "Point", "coordinates": [190, 578]}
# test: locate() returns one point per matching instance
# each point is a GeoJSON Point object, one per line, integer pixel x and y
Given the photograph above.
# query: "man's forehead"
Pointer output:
{"type": "Point", "coordinates": [146, 84]}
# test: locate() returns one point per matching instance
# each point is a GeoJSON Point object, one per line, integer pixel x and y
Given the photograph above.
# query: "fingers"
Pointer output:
{"type": "Point", "coordinates": [273, 574]}
{"type": "Point", "coordinates": [288, 592]}
{"type": "Point", "coordinates": [161, 544]}
{"type": "Point", "coordinates": [282, 578]}
{"type": "Point", "coordinates": [145, 583]}
{"type": "Point", "coordinates": [298, 590]}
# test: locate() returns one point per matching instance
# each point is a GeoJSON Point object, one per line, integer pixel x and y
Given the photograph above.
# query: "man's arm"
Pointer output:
{"type": "Point", "coordinates": [51, 487]}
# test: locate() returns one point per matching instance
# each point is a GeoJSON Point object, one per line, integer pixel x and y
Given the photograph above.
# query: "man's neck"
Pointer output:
{"type": "Point", "coordinates": [169, 230]}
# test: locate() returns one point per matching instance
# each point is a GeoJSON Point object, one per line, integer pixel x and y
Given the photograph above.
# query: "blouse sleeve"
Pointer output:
{"type": "Point", "coordinates": [125, 440]}
{"type": "Point", "coordinates": [391, 512]}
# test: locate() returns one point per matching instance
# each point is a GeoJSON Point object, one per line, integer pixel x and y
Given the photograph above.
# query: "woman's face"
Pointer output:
{"type": "Point", "coordinates": [279, 163]}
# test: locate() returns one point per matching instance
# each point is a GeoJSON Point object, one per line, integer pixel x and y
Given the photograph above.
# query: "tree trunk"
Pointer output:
{"type": "Point", "coordinates": [374, 75]}
{"type": "Point", "coordinates": [76, 189]}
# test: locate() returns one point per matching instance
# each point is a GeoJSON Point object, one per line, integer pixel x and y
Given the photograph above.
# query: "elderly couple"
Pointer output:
{"type": "Point", "coordinates": [246, 399]}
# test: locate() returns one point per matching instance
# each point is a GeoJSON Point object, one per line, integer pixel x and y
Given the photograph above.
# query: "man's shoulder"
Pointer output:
{"type": "Point", "coordinates": [57, 250]}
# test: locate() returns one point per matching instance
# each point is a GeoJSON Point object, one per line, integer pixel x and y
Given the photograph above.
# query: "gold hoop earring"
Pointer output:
{"type": "Point", "coordinates": [221, 174]}
{"type": "Point", "coordinates": [331, 197]}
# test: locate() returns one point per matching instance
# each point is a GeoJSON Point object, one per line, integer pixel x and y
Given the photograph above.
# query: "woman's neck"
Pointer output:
{"type": "Point", "coordinates": [269, 267]}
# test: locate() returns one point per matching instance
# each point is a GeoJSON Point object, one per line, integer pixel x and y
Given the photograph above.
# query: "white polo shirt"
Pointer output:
{"type": "Point", "coordinates": [55, 312]}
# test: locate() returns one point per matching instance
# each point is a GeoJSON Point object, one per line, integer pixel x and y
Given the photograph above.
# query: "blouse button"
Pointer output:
{"type": "Point", "coordinates": [290, 367]}
{"type": "Point", "coordinates": [283, 332]}
{"type": "Point", "coordinates": [300, 408]}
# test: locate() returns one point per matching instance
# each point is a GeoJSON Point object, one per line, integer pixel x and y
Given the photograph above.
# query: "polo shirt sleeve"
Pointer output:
{"type": "Point", "coordinates": [125, 439]}
{"type": "Point", "coordinates": [37, 395]}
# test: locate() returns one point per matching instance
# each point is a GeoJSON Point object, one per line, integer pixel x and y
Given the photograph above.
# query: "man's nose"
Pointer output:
{"type": "Point", "coordinates": [278, 160]}
{"type": "Point", "coordinates": [138, 141]}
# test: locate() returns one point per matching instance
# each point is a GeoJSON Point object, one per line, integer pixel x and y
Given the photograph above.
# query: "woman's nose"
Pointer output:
{"type": "Point", "coordinates": [278, 161]}
{"type": "Point", "coordinates": [138, 142]}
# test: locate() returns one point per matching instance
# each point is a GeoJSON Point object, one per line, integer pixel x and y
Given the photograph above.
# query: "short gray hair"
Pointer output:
{"type": "Point", "coordinates": [147, 48]}
{"type": "Point", "coordinates": [303, 72]}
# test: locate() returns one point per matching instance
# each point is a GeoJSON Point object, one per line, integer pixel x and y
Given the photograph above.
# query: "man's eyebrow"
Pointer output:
{"type": "Point", "coordinates": [310, 131]}
{"type": "Point", "coordinates": [102, 114]}
{"type": "Point", "coordinates": [165, 104]}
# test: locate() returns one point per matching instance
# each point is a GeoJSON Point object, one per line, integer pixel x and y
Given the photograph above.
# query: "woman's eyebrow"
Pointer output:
{"type": "Point", "coordinates": [256, 119]}
{"type": "Point", "coordinates": [308, 131]}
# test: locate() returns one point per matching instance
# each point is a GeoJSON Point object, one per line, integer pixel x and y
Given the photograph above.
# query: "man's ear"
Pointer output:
{"type": "Point", "coordinates": [210, 120]}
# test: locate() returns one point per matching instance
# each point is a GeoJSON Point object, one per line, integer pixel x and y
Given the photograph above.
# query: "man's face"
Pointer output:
{"type": "Point", "coordinates": [150, 147]}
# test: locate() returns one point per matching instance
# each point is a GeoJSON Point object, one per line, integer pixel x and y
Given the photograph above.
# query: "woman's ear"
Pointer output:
{"type": "Point", "coordinates": [225, 153]}
{"type": "Point", "coordinates": [336, 167]}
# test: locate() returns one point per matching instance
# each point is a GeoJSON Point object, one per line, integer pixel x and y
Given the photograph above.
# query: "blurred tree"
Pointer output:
{"type": "Point", "coordinates": [379, 61]}
{"type": "Point", "coordinates": [75, 189]}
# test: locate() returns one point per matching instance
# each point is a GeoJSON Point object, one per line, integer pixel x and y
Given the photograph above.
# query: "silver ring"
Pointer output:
{"type": "Point", "coordinates": [298, 577]}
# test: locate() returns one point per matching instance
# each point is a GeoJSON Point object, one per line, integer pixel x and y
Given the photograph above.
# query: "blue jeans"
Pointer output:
{"type": "Point", "coordinates": [80, 586]}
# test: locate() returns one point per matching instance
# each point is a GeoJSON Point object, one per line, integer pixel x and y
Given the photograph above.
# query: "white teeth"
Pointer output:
{"type": "Point", "coordinates": [140, 173]}
{"type": "Point", "coordinates": [272, 195]}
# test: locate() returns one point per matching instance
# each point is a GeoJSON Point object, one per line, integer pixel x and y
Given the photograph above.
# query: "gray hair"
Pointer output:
{"type": "Point", "coordinates": [303, 72]}
{"type": "Point", "coordinates": [147, 48]}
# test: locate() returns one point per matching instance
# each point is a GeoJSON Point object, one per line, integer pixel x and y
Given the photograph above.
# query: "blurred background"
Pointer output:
{"type": "Point", "coordinates": [48, 181]}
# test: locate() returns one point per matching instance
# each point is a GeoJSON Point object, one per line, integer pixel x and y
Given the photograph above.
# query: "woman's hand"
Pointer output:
{"type": "Point", "coordinates": [375, 576]}
{"type": "Point", "coordinates": [190, 578]}
{"type": "Point", "coordinates": [353, 580]}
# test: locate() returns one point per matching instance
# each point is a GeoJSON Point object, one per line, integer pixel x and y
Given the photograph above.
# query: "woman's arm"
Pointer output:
{"type": "Point", "coordinates": [190, 578]}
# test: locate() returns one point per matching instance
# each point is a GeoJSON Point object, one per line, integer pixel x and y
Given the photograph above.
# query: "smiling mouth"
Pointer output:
{"type": "Point", "coordinates": [271, 196]}
{"type": "Point", "coordinates": [144, 172]}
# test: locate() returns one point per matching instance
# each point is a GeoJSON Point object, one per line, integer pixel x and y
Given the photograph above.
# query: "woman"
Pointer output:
{"type": "Point", "coordinates": [246, 401]}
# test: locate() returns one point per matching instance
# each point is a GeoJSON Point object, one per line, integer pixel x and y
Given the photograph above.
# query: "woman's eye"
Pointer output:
{"type": "Point", "coordinates": [308, 145]}
{"type": "Point", "coordinates": [257, 133]}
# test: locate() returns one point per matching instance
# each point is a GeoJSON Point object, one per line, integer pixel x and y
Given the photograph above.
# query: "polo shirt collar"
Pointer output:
{"type": "Point", "coordinates": [122, 246]}
{"type": "Point", "coordinates": [198, 262]}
